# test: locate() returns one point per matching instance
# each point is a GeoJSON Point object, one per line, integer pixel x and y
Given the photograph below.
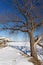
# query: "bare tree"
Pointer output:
{"type": "Point", "coordinates": [28, 11]}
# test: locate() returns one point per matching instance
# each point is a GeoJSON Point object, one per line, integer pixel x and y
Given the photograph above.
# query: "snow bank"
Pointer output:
{"type": "Point", "coordinates": [19, 43]}
{"type": "Point", "coordinates": [11, 56]}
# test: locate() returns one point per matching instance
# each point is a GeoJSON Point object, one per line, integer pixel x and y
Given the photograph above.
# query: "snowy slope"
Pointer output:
{"type": "Point", "coordinates": [11, 56]}
{"type": "Point", "coordinates": [39, 49]}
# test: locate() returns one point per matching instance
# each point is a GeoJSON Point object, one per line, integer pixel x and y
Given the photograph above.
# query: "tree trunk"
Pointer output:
{"type": "Point", "coordinates": [32, 47]}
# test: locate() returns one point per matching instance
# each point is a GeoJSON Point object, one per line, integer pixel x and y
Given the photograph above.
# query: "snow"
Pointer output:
{"type": "Point", "coordinates": [19, 43]}
{"type": "Point", "coordinates": [12, 56]}
{"type": "Point", "coordinates": [39, 49]}
{"type": "Point", "coordinates": [40, 53]}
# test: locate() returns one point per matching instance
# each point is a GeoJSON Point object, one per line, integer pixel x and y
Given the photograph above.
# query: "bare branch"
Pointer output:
{"type": "Point", "coordinates": [39, 24]}
{"type": "Point", "coordinates": [38, 40]}
{"type": "Point", "coordinates": [40, 45]}
{"type": "Point", "coordinates": [19, 8]}
{"type": "Point", "coordinates": [14, 29]}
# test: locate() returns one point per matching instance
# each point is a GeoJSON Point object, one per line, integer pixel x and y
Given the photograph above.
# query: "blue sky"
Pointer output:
{"type": "Point", "coordinates": [8, 10]}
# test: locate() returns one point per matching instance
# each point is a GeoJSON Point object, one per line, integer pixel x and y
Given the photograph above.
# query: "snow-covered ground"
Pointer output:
{"type": "Point", "coordinates": [39, 49]}
{"type": "Point", "coordinates": [19, 43]}
{"type": "Point", "coordinates": [11, 56]}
